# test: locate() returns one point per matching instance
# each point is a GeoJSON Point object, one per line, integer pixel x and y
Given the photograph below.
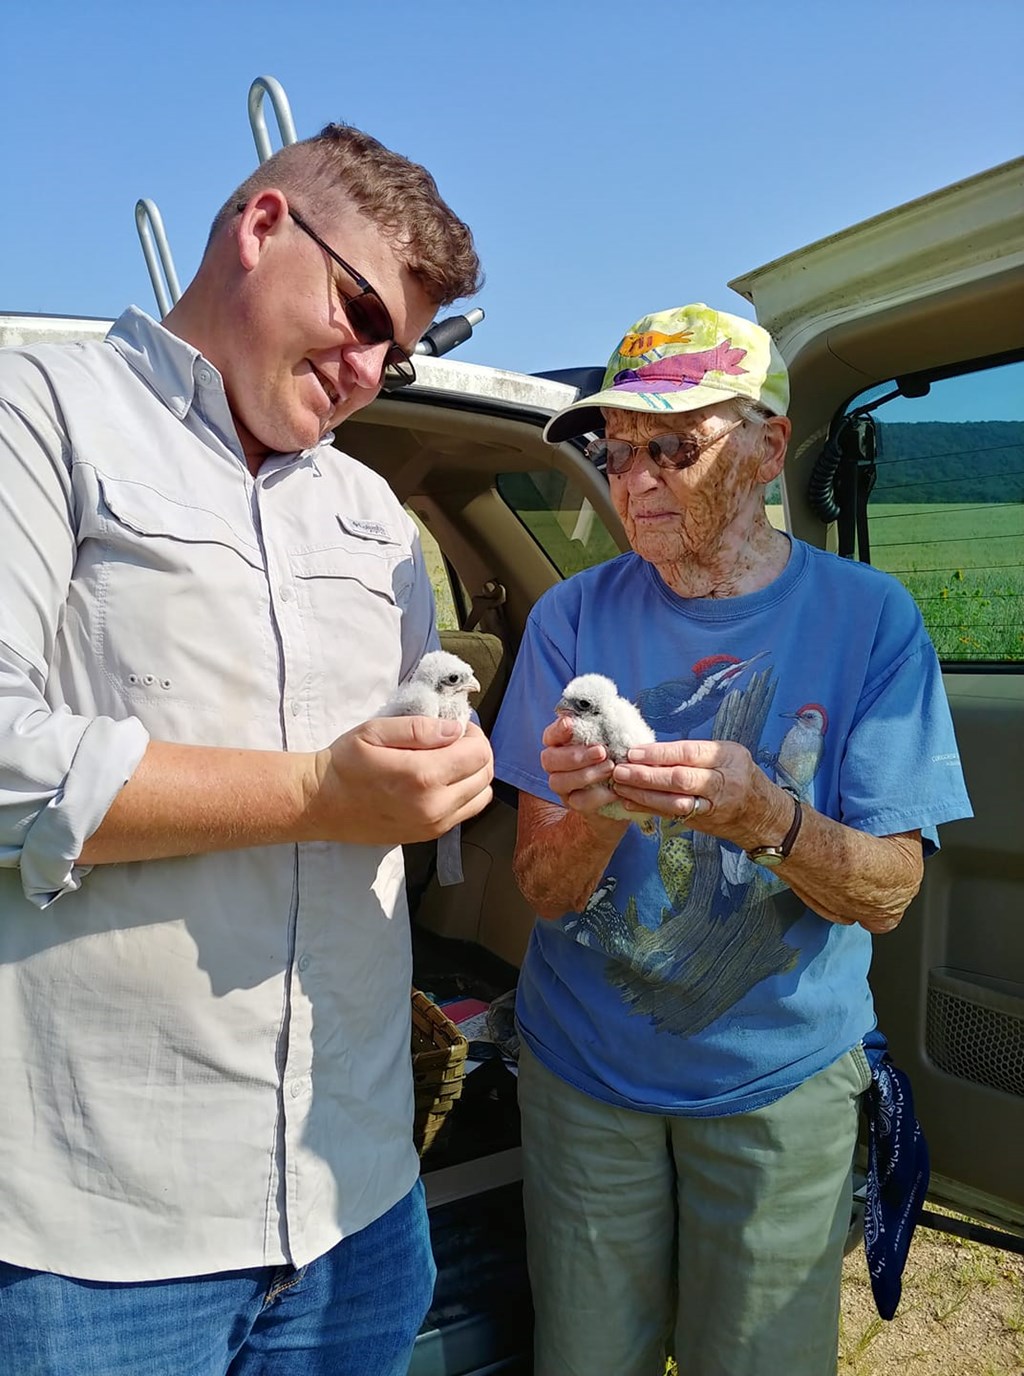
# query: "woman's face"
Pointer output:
{"type": "Point", "coordinates": [695, 513]}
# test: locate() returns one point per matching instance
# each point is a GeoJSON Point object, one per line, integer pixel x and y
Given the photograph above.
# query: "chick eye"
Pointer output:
{"type": "Point", "coordinates": [586, 705]}
{"type": "Point", "coordinates": [452, 679]}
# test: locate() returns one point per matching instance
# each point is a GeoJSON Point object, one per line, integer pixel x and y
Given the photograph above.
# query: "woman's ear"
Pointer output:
{"type": "Point", "coordinates": [777, 430]}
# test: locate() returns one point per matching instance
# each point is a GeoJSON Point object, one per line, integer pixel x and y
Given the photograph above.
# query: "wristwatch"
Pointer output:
{"type": "Point", "coordinates": [774, 855]}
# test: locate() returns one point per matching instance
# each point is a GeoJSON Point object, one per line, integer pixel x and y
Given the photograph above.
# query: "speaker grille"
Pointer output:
{"type": "Point", "coordinates": [976, 1031]}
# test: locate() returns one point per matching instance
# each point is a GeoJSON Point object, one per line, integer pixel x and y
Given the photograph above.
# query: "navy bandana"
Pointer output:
{"type": "Point", "coordinates": [898, 1173]}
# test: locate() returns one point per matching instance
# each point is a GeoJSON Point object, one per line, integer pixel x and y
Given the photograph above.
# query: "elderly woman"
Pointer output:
{"type": "Point", "coordinates": [694, 1001]}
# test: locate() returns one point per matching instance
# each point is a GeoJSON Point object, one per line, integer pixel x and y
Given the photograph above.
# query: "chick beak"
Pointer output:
{"type": "Point", "coordinates": [474, 687]}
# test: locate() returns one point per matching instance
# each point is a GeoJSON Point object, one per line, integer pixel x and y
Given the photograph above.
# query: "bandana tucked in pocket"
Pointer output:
{"type": "Point", "coordinates": [898, 1173]}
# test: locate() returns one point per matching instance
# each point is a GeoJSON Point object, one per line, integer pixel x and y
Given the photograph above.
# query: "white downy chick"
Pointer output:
{"type": "Point", "coordinates": [599, 716]}
{"type": "Point", "coordinates": [439, 687]}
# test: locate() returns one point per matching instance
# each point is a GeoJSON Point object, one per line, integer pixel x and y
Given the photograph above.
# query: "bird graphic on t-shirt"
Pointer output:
{"type": "Point", "coordinates": [800, 752]}
{"type": "Point", "coordinates": [679, 705]}
{"type": "Point", "coordinates": [439, 686]}
{"type": "Point", "coordinates": [600, 924]}
{"type": "Point", "coordinates": [599, 716]}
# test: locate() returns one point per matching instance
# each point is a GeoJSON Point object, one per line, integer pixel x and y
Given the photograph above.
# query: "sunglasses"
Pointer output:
{"type": "Point", "coordinates": [367, 314]}
{"type": "Point", "coordinates": [667, 451]}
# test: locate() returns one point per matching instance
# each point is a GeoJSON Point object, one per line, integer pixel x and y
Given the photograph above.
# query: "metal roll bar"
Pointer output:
{"type": "Point", "coordinates": [157, 253]}
{"type": "Point", "coordinates": [269, 86]}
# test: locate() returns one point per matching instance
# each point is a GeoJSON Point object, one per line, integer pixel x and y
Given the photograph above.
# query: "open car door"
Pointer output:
{"type": "Point", "coordinates": [905, 340]}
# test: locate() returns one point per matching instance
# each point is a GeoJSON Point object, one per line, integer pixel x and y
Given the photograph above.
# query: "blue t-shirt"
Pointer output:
{"type": "Point", "coordinates": [696, 982]}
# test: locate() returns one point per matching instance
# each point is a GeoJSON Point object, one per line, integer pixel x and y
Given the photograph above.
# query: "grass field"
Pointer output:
{"type": "Point", "coordinates": [964, 565]}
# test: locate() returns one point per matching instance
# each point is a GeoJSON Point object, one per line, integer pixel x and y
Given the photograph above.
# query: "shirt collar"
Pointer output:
{"type": "Point", "coordinates": [163, 360]}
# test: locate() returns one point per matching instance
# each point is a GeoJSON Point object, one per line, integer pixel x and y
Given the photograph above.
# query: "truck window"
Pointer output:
{"type": "Point", "coordinates": [945, 514]}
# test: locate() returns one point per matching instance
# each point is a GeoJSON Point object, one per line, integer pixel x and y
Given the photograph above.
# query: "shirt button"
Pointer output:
{"type": "Point", "coordinates": [286, 594]}
{"type": "Point", "coordinates": [204, 377]}
{"type": "Point", "coordinates": [304, 962]}
{"type": "Point", "coordinates": [296, 707]}
{"type": "Point", "coordinates": [296, 1088]}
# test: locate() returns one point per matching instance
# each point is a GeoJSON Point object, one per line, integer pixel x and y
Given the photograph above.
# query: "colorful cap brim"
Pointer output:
{"type": "Point", "coordinates": [586, 414]}
{"type": "Point", "coordinates": [681, 360]}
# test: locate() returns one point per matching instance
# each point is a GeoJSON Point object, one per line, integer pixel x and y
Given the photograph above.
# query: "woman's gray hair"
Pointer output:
{"type": "Point", "coordinates": [752, 411]}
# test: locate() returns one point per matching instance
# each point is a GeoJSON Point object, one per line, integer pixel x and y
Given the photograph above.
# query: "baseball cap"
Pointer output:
{"type": "Point", "coordinates": [680, 360]}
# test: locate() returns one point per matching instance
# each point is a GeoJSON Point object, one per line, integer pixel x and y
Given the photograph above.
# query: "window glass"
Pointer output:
{"type": "Point", "coordinates": [559, 518]}
{"type": "Point", "coordinates": [946, 514]}
{"type": "Point", "coordinates": [441, 576]}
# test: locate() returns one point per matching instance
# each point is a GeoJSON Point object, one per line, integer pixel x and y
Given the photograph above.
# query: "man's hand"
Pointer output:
{"type": "Point", "coordinates": [398, 779]}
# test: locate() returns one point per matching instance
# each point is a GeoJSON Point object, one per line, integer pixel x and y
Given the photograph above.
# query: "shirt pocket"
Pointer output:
{"type": "Point", "coordinates": [352, 594]}
{"type": "Point", "coordinates": [141, 517]}
{"type": "Point", "coordinates": [173, 600]}
{"type": "Point", "coordinates": [363, 552]}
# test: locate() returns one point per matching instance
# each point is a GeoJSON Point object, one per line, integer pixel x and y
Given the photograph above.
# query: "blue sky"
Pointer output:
{"type": "Point", "coordinates": [611, 158]}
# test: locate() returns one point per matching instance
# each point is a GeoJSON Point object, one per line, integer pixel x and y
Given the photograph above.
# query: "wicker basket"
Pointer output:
{"type": "Point", "coordinates": [438, 1062]}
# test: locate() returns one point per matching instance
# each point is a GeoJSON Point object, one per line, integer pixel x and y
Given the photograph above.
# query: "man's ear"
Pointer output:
{"type": "Point", "coordinates": [261, 220]}
{"type": "Point", "coordinates": [777, 430]}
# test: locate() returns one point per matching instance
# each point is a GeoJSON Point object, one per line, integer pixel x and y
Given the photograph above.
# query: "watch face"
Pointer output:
{"type": "Point", "coordinates": [769, 857]}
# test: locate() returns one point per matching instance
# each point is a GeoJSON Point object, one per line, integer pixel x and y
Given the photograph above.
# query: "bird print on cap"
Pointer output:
{"type": "Point", "coordinates": [679, 372]}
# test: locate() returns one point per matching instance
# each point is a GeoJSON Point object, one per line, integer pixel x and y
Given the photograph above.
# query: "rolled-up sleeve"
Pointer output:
{"type": "Point", "coordinates": [59, 772]}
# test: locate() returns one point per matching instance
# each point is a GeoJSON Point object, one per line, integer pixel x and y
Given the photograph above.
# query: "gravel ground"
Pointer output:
{"type": "Point", "coordinates": [961, 1313]}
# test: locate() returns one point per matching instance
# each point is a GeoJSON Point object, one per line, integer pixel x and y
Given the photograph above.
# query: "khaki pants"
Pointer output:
{"type": "Point", "coordinates": [719, 1240]}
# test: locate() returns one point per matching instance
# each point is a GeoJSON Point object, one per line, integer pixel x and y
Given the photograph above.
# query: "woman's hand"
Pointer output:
{"type": "Point", "coordinates": [714, 783]}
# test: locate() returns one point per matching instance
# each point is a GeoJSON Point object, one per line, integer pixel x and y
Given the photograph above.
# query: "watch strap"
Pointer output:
{"type": "Point", "coordinates": [781, 852]}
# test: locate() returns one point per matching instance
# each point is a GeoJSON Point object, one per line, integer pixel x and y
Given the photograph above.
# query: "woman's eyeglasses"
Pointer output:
{"type": "Point", "coordinates": [667, 451]}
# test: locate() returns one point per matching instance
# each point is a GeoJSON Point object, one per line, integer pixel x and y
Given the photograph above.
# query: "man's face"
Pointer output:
{"type": "Point", "coordinates": [296, 368]}
{"type": "Point", "coordinates": [697, 512]}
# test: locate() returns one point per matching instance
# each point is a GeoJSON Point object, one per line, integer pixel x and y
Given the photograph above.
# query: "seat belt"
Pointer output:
{"type": "Point", "coordinates": [491, 598]}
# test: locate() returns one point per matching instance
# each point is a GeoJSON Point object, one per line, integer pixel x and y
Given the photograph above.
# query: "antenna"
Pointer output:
{"type": "Point", "coordinates": [269, 86]}
{"type": "Point", "coordinates": [157, 253]}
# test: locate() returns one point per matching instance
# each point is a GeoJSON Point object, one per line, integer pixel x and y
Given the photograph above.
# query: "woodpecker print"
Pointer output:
{"type": "Point", "coordinates": [723, 922]}
{"type": "Point", "coordinates": [678, 706]}
{"type": "Point", "coordinates": [800, 752]}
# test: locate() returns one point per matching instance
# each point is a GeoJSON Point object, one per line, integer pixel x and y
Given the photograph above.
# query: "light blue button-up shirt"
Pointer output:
{"type": "Point", "coordinates": [204, 1061]}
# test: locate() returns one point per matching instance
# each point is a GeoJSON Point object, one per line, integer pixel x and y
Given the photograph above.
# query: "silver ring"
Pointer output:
{"type": "Point", "coordinates": [698, 807]}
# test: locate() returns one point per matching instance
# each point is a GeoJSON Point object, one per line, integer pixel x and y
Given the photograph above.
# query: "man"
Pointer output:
{"type": "Point", "coordinates": [693, 1004]}
{"type": "Point", "coordinates": [204, 952]}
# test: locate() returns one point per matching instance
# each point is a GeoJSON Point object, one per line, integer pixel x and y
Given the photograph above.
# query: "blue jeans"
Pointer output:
{"type": "Point", "coordinates": [353, 1312]}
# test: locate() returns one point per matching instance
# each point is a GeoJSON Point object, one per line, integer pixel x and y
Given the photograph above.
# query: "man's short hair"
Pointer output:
{"type": "Point", "coordinates": [399, 196]}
